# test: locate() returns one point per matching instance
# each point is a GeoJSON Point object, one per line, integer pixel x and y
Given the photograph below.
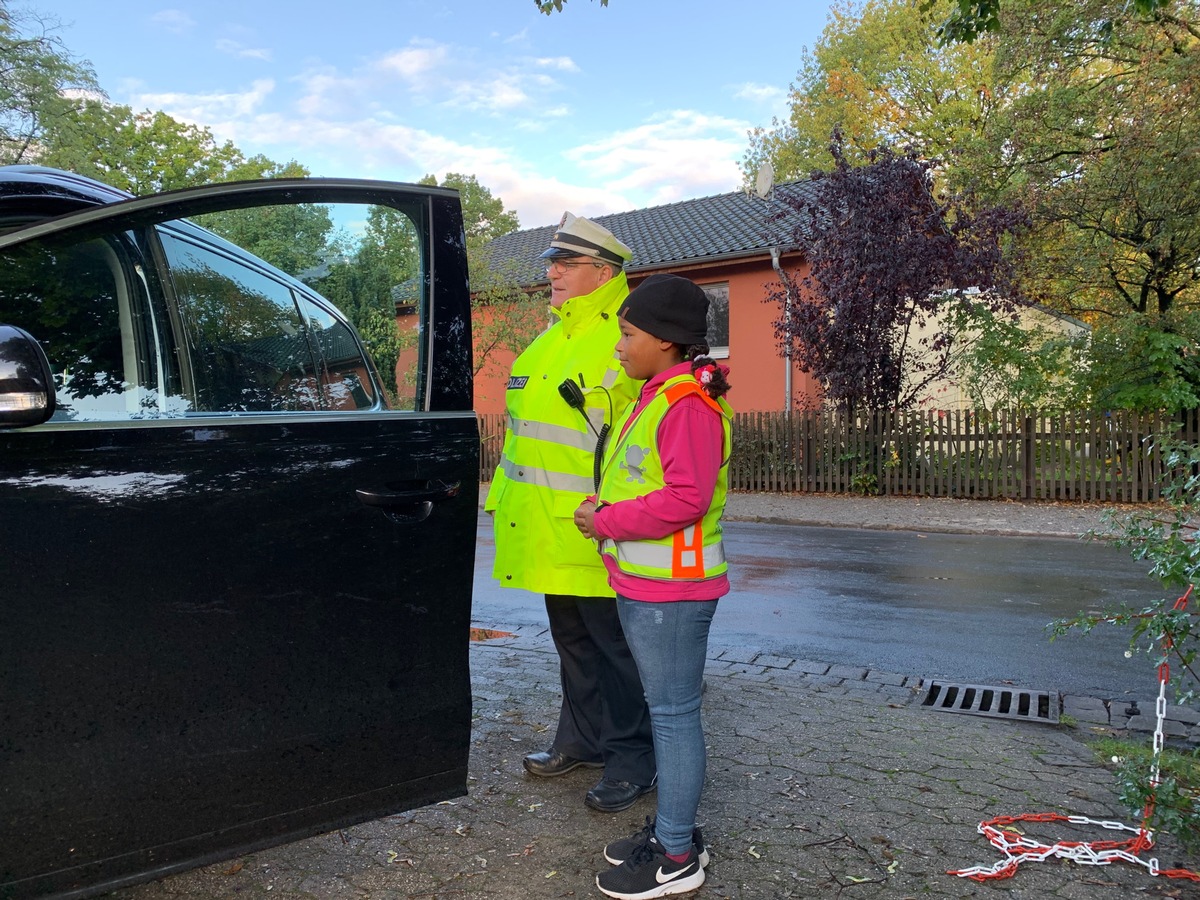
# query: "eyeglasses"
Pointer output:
{"type": "Point", "coordinates": [561, 267]}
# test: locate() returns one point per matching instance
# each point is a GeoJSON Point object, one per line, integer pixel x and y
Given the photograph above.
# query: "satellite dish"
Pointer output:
{"type": "Point", "coordinates": [764, 180]}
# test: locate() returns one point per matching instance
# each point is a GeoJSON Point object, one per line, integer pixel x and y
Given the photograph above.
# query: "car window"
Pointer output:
{"type": "Point", "coordinates": [365, 259]}
{"type": "Point", "coordinates": [89, 306]}
{"type": "Point", "coordinates": [248, 350]}
{"type": "Point", "coordinates": [235, 312]}
{"type": "Point", "coordinates": [343, 379]}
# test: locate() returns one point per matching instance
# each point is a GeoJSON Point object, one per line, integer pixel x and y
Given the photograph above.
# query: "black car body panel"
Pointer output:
{"type": "Point", "coordinates": [228, 629]}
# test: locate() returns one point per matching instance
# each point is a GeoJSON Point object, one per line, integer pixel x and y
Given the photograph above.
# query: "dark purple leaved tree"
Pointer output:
{"type": "Point", "coordinates": [887, 256]}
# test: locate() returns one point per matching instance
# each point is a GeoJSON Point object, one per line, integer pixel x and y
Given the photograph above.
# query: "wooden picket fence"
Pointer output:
{"type": "Point", "coordinates": [1112, 457]}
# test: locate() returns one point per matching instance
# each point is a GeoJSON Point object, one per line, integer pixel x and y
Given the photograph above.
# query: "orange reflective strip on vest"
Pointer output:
{"type": "Point", "coordinates": [677, 392]}
{"type": "Point", "coordinates": [687, 552]}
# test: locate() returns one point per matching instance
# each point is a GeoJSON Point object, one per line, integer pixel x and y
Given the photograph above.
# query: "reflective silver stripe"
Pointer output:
{"type": "Point", "coordinates": [610, 374]}
{"type": "Point", "coordinates": [555, 434]}
{"type": "Point", "coordinates": [596, 417]}
{"type": "Point", "coordinates": [658, 556]}
{"type": "Point", "coordinates": [556, 481]}
{"type": "Point", "coordinates": [687, 559]}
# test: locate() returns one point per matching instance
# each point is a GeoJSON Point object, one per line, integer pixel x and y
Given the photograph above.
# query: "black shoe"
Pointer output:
{"type": "Point", "coordinates": [649, 873]}
{"type": "Point", "coordinates": [614, 796]}
{"type": "Point", "coordinates": [620, 850]}
{"type": "Point", "coordinates": [548, 763]}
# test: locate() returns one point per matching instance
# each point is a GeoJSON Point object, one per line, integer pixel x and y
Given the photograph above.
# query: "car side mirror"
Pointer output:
{"type": "Point", "coordinates": [26, 382]}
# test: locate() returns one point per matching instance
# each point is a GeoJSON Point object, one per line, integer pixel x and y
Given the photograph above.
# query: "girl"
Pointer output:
{"type": "Point", "coordinates": [657, 518]}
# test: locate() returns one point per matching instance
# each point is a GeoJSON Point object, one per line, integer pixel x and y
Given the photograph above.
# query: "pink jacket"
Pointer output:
{"type": "Point", "coordinates": [690, 444]}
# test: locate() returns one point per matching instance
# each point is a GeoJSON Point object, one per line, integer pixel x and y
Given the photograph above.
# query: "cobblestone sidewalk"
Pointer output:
{"type": "Point", "coordinates": [822, 782]}
{"type": "Point", "coordinates": [819, 786]}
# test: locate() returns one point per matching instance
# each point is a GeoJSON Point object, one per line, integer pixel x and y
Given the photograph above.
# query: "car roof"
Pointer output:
{"type": "Point", "coordinates": [39, 191]}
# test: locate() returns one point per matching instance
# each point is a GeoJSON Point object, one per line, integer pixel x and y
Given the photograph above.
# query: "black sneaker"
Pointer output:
{"type": "Point", "coordinates": [620, 850]}
{"type": "Point", "coordinates": [650, 873]}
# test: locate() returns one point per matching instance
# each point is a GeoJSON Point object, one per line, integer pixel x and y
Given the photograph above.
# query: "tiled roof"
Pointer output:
{"type": "Point", "coordinates": [725, 226]}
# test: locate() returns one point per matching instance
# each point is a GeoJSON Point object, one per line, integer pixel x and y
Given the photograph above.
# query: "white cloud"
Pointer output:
{"type": "Point", "coordinates": [431, 107]}
{"type": "Point", "coordinates": [205, 109]}
{"type": "Point", "coordinates": [324, 91]}
{"type": "Point", "coordinates": [502, 94]}
{"type": "Point", "coordinates": [173, 20]}
{"type": "Point", "coordinates": [559, 63]}
{"type": "Point", "coordinates": [762, 94]}
{"type": "Point", "coordinates": [416, 61]}
{"type": "Point", "coordinates": [678, 155]}
{"type": "Point", "coordinates": [438, 73]}
{"type": "Point", "coordinates": [541, 200]}
{"type": "Point", "coordinates": [236, 48]}
{"type": "Point", "coordinates": [435, 75]}
{"type": "Point", "coordinates": [80, 94]}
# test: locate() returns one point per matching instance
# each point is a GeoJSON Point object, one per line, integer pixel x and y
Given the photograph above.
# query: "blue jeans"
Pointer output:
{"type": "Point", "coordinates": [669, 643]}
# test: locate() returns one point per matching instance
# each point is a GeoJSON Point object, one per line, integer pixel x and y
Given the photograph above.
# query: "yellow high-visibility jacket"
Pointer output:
{"type": "Point", "coordinates": [546, 468]}
{"type": "Point", "coordinates": [633, 468]}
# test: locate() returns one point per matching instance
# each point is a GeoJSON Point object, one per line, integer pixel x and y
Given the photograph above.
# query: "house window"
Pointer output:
{"type": "Point", "coordinates": [718, 319]}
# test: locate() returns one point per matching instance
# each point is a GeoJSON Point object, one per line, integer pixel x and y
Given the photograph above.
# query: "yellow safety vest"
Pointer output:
{"type": "Point", "coordinates": [633, 468]}
{"type": "Point", "coordinates": [547, 464]}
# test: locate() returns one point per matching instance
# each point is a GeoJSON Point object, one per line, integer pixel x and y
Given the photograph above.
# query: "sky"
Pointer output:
{"type": "Point", "coordinates": [594, 110]}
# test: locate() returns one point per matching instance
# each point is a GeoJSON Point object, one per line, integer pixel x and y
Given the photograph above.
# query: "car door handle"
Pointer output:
{"type": "Point", "coordinates": [406, 504]}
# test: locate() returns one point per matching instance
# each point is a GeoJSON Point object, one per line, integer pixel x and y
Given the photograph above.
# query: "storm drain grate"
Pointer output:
{"type": "Point", "coordinates": [996, 702]}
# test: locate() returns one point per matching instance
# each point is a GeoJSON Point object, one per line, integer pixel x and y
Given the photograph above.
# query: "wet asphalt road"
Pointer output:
{"type": "Point", "coordinates": [959, 607]}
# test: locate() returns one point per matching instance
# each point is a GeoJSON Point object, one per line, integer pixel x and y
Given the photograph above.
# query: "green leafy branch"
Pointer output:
{"type": "Point", "coordinates": [553, 6]}
{"type": "Point", "coordinates": [971, 19]}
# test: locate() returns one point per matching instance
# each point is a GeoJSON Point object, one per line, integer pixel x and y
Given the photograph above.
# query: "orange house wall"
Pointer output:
{"type": "Point", "coordinates": [757, 371]}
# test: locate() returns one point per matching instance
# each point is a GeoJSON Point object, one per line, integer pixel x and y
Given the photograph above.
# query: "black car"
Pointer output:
{"type": "Point", "coordinates": [236, 561]}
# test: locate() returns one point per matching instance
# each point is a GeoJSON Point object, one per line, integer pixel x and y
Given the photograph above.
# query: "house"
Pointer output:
{"type": "Point", "coordinates": [994, 391]}
{"type": "Point", "coordinates": [729, 244]}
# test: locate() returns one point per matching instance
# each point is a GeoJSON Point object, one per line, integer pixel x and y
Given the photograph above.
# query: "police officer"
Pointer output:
{"type": "Point", "coordinates": [546, 470]}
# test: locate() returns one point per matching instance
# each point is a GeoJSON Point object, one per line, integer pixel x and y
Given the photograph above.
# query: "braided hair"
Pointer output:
{"type": "Point", "coordinates": [707, 371]}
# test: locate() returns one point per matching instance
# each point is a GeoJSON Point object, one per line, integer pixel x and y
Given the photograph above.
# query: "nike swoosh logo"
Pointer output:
{"type": "Point", "coordinates": [662, 878]}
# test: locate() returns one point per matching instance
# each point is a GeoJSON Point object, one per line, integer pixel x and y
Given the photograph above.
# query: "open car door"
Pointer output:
{"type": "Point", "coordinates": [238, 555]}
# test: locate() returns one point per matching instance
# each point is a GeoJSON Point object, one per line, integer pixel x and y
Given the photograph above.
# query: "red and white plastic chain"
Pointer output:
{"type": "Point", "coordinates": [1018, 848]}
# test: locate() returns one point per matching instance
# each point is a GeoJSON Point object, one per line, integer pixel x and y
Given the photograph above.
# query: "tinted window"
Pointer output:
{"type": "Point", "coordinates": [89, 306]}
{"type": "Point", "coordinates": [246, 316]}
{"type": "Point", "coordinates": [345, 382]}
{"type": "Point", "coordinates": [368, 262]}
{"type": "Point", "coordinates": [247, 348]}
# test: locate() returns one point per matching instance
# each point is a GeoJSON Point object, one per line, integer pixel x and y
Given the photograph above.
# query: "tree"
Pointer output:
{"type": "Point", "coordinates": [878, 76]}
{"type": "Point", "coordinates": [1004, 361]}
{"type": "Point", "coordinates": [36, 76]}
{"type": "Point", "coordinates": [1161, 784]}
{"type": "Point", "coordinates": [1135, 363]}
{"type": "Point", "coordinates": [369, 279]}
{"type": "Point", "coordinates": [1103, 146]}
{"type": "Point", "coordinates": [142, 153]}
{"type": "Point", "coordinates": [484, 215]}
{"type": "Point", "coordinates": [887, 257]}
{"type": "Point", "coordinates": [1089, 128]}
{"type": "Point", "coordinates": [970, 19]}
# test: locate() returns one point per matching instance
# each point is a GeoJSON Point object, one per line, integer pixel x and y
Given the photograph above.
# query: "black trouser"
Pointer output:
{"type": "Point", "coordinates": [604, 717]}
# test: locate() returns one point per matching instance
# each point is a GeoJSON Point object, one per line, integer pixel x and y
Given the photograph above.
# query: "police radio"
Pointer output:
{"type": "Point", "coordinates": [573, 394]}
